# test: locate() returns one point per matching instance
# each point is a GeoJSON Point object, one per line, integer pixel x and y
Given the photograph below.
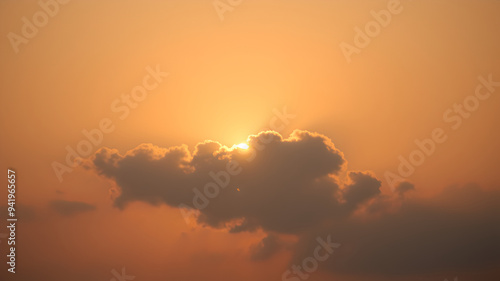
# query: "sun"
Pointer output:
{"type": "Point", "coordinates": [242, 146]}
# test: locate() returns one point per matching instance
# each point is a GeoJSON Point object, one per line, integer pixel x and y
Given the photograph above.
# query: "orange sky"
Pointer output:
{"type": "Point", "coordinates": [226, 80]}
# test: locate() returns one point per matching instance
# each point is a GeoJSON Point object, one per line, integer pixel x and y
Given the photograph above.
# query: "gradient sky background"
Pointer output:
{"type": "Point", "coordinates": [226, 80]}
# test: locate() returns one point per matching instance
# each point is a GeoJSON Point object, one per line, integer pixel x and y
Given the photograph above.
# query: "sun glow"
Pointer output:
{"type": "Point", "coordinates": [242, 146]}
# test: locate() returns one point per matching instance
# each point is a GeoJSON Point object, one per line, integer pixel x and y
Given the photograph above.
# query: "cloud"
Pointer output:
{"type": "Point", "coordinates": [362, 187]}
{"type": "Point", "coordinates": [403, 187]}
{"type": "Point", "coordinates": [266, 248]}
{"type": "Point", "coordinates": [70, 208]}
{"type": "Point", "coordinates": [458, 229]}
{"type": "Point", "coordinates": [295, 186]}
{"type": "Point", "coordinates": [285, 185]}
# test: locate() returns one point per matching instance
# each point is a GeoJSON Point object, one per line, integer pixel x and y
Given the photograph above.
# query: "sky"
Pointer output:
{"type": "Point", "coordinates": [251, 140]}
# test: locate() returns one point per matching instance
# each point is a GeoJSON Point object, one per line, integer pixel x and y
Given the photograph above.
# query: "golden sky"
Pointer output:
{"type": "Point", "coordinates": [158, 94]}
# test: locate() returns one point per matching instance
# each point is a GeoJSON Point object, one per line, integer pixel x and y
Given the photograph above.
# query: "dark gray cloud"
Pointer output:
{"type": "Point", "coordinates": [458, 229]}
{"type": "Point", "coordinates": [266, 248]}
{"type": "Point", "coordinates": [362, 187]}
{"type": "Point", "coordinates": [282, 185]}
{"type": "Point", "coordinates": [295, 186]}
{"type": "Point", "coordinates": [403, 187]}
{"type": "Point", "coordinates": [70, 208]}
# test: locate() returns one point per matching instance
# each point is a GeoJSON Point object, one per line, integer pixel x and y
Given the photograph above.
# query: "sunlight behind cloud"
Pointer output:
{"type": "Point", "coordinates": [242, 146]}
